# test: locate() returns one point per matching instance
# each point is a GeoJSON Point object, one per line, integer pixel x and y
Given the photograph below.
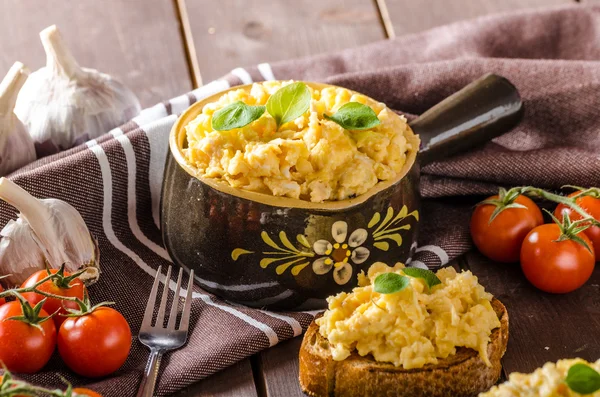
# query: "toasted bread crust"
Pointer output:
{"type": "Point", "coordinates": [462, 374]}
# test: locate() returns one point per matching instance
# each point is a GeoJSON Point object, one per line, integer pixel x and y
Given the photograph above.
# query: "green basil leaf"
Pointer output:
{"type": "Point", "coordinates": [389, 283]}
{"type": "Point", "coordinates": [235, 115]}
{"type": "Point", "coordinates": [355, 116]}
{"type": "Point", "coordinates": [583, 379]}
{"type": "Point", "coordinates": [430, 278]}
{"type": "Point", "coordinates": [289, 102]}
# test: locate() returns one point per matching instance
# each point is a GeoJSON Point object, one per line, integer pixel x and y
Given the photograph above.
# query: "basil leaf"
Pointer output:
{"type": "Point", "coordinates": [427, 275]}
{"type": "Point", "coordinates": [289, 102]}
{"type": "Point", "coordinates": [355, 116]}
{"type": "Point", "coordinates": [583, 379]}
{"type": "Point", "coordinates": [389, 283]}
{"type": "Point", "coordinates": [235, 115]}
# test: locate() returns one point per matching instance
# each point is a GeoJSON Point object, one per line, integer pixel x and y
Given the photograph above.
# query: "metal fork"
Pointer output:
{"type": "Point", "coordinates": [158, 338]}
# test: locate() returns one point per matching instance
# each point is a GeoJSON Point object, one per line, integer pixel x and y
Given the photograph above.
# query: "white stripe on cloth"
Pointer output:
{"type": "Point", "coordinates": [157, 129]}
{"type": "Point", "coordinates": [179, 104]}
{"type": "Point", "coordinates": [158, 139]}
{"type": "Point", "coordinates": [411, 263]}
{"type": "Point", "coordinates": [149, 115]}
{"type": "Point", "coordinates": [243, 75]}
{"type": "Point", "coordinates": [436, 250]}
{"type": "Point", "coordinates": [296, 327]}
{"type": "Point", "coordinates": [418, 264]}
{"type": "Point", "coordinates": [312, 312]}
{"type": "Point", "coordinates": [292, 322]}
{"type": "Point", "coordinates": [132, 199]}
{"type": "Point", "coordinates": [268, 331]}
{"type": "Point", "coordinates": [107, 205]}
{"type": "Point", "coordinates": [110, 234]}
{"type": "Point", "coordinates": [265, 71]}
{"type": "Point", "coordinates": [211, 88]}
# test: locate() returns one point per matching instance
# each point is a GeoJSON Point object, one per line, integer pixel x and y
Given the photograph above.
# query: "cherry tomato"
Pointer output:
{"type": "Point", "coordinates": [95, 344]}
{"type": "Point", "coordinates": [76, 289]}
{"type": "Point", "coordinates": [85, 392]}
{"type": "Point", "coordinates": [556, 266]}
{"type": "Point", "coordinates": [2, 300]}
{"type": "Point", "coordinates": [501, 239]}
{"type": "Point", "coordinates": [591, 205]}
{"type": "Point", "coordinates": [23, 347]}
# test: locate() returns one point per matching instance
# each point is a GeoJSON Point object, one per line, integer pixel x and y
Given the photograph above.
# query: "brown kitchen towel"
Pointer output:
{"type": "Point", "coordinates": [552, 56]}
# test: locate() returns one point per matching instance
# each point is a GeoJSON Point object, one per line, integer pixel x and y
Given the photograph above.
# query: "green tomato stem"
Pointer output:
{"type": "Point", "coordinates": [557, 198]}
{"type": "Point", "coordinates": [10, 387]}
{"type": "Point", "coordinates": [34, 288]}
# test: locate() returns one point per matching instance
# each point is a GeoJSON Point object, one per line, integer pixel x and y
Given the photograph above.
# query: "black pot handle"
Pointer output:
{"type": "Point", "coordinates": [483, 110]}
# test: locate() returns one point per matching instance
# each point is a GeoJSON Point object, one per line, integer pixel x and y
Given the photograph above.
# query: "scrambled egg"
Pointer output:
{"type": "Point", "coordinates": [547, 381]}
{"type": "Point", "coordinates": [310, 158]}
{"type": "Point", "coordinates": [413, 327]}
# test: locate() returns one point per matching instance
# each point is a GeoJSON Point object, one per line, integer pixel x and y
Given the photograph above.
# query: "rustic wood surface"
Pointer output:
{"type": "Point", "coordinates": [543, 327]}
{"type": "Point", "coordinates": [162, 48]}
{"type": "Point", "coordinates": [137, 41]}
{"type": "Point", "coordinates": [279, 369]}
{"type": "Point", "coordinates": [247, 32]}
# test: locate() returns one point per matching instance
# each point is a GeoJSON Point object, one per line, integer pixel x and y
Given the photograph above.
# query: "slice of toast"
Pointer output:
{"type": "Point", "coordinates": [462, 374]}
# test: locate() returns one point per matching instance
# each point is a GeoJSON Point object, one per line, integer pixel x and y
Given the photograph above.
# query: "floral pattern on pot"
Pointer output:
{"type": "Point", "coordinates": [388, 229]}
{"type": "Point", "coordinates": [337, 252]}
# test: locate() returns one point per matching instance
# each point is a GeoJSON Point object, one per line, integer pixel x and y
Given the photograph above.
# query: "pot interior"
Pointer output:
{"type": "Point", "coordinates": [178, 142]}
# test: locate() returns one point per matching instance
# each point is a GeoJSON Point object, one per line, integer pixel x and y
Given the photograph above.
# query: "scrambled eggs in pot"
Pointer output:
{"type": "Point", "coordinates": [310, 158]}
{"type": "Point", "coordinates": [412, 327]}
{"type": "Point", "coordinates": [548, 381]}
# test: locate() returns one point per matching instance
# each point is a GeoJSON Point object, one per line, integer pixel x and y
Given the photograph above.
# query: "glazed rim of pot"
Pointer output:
{"type": "Point", "coordinates": [178, 141]}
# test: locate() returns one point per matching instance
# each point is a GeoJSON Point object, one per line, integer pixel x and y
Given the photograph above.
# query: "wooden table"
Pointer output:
{"type": "Point", "coordinates": [162, 48]}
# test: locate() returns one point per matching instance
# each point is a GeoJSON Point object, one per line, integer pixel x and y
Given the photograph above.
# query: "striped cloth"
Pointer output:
{"type": "Point", "coordinates": [115, 180]}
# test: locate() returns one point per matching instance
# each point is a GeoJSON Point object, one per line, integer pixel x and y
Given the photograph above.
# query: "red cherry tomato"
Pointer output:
{"type": "Point", "coordinates": [2, 300]}
{"type": "Point", "coordinates": [76, 289]}
{"type": "Point", "coordinates": [501, 239]}
{"type": "Point", "coordinates": [23, 347]}
{"type": "Point", "coordinates": [85, 392]}
{"type": "Point", "coordinates": [591, 205]}
{"type": "Point", "coordinates": [95, 344]}
{"type": "Point", "coordinates": [556, 266]}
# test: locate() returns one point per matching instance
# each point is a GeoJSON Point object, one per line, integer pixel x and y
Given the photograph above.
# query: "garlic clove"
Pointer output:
{"type": "Point", "coordinates": [63, 104]}
{"type": "Point", "coordinates": [47, 233]}
{"type": "Point", "coordinates": [23, 262]}
{"type": "Point", "coordinates": [59, 60]}
{"type": "Point", "coordinates": [16, 146]}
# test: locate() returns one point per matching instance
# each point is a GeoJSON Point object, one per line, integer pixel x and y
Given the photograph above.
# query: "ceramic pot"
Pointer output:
{"type": "Point", "coordinates": [275, 252]}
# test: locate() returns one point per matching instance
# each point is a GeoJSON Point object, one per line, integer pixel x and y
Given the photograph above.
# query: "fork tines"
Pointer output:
{"type": "Point", "coordinates": [185, 316]}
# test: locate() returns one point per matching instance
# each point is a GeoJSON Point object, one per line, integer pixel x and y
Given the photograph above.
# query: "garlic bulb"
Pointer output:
{"type": "Point", "coordinates": [63, 104]}
{"type": "Point", "coordinates": [47, 233]}
{"type": "Point", "coordinates": [16, 146]}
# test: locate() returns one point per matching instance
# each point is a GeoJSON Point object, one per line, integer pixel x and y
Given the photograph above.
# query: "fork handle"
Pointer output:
{"type": "Point", "coordinates": [150, 374]}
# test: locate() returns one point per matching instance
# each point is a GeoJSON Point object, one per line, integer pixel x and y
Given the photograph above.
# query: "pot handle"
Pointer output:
{"type": "Point", "coordinates": [483, 110]}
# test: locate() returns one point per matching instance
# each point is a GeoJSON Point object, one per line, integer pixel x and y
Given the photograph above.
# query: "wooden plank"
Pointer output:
{"type": "Point", "coordinates": [137, 41]}
{"type": "Point", "coordinates": [247, 32]}
{"type": "Point", "coordinates": [409, 16]}
{"type": "Point", "coordinates": [543, 327]}
{"type": "Point", "coordinates": [279, 368]}
{"type": "Point", "coordinates": [236, 380]}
